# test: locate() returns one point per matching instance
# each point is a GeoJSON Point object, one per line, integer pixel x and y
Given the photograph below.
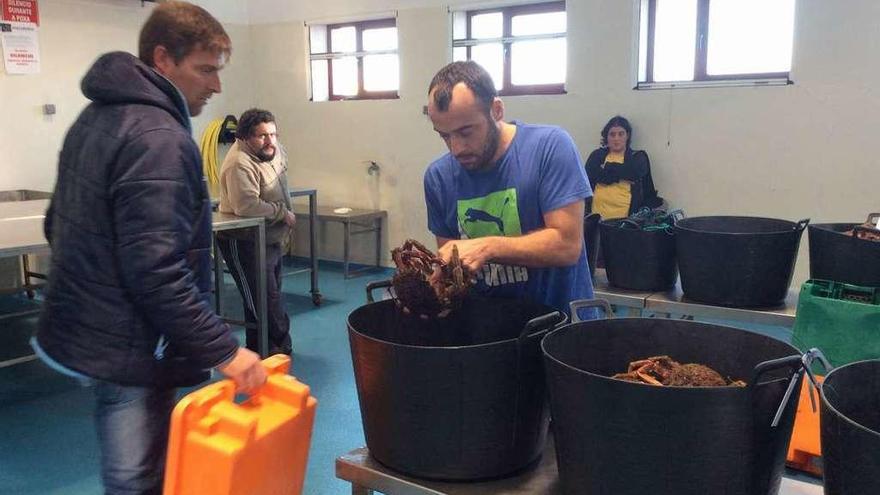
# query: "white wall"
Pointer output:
{"type": "Point", "coordinates": [787, 152]}
{"type": "Point", "coordinates": [72, 34]}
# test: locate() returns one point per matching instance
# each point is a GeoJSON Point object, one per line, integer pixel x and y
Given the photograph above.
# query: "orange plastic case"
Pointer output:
{"type": "Point", "coordinates": [805, 451]}
{"type": "Point", "coordinates": [258, 447]}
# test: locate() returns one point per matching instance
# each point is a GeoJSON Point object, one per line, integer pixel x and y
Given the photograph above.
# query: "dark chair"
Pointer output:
{"type": "Point", "coordinates": [591, 239]}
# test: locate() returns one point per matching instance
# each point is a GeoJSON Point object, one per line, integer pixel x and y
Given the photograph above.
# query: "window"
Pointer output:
{"type": "Point", "coordinates": [522, 47]}
{"type": "Point", "coordinates": [715, 40]}
{"type": "Point", "coordinates": [354, 60]}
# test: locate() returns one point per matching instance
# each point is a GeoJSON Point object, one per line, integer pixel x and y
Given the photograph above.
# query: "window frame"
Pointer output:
{"type": "Point", "coordinates": [701, 53]}
{"type": "Point", "coordinates": [359, 54]}
{"type": "Point", "coordinates": [507, 40]}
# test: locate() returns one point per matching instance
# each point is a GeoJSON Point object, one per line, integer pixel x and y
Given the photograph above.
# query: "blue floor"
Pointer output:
{"type": "Point", "coordinates": [48, 443]}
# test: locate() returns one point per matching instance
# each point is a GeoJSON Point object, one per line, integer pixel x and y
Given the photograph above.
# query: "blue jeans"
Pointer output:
{"type": "Point", "coordinates": [132, 424]}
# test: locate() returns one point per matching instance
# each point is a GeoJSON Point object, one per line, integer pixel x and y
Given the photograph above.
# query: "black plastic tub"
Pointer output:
{"type": "Point", "coordinates": [842, 258]}
{"type": "Point", "coordinates": [621, 438]}
{"type": "Point", "coordinates": [636, 259]}
{"type": "Point", "coordinates": [739, 262]}
{"type": "Point", "coordinates": [457, 398]}
{"type": "Point", "coordinates": [850, 426]}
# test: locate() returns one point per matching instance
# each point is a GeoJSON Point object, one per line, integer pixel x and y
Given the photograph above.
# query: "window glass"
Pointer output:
{"type": "Point", "coordinates": [362, 63]}
{"type": "Point", "coordinates": [318, 39]}
{"type": "Point", "coordinates": [381, 72]}
{"type": "Point", "coordinates": [489, 25]}
{"type": "Point", "coordinates": [643, 41]}
{"type": "Point", "coordinates": [343, 39]}
{"type": "Point", "coordinates": [538, 62]}
{"type": "Point", "coordinates": [380, 39]}
{"type": "Point", "coordinates": [521, 46]}
{"type": "Point", "coordinates": [491, 57]}
{"type": "Point", "coordinates": [716, 40]}
{"type": "Point", "coordinates": [459, 25]}
{"type": "Point", "coordinates": [459, 54]}
{"type": "Point", "coordinates": [674, 38]}
{"type": "Point", "coordinates": [750, 36]}
{"type": "Point", "coordinates": [320, 90]}
{"type": "Point", "coordinates": [546, 23]}
{"type": "Point", "coordinates": [345, 76]}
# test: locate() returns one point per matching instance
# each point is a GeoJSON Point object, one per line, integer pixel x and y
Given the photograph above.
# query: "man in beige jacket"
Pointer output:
{"type": "Point", "coordinates": [253, 183]}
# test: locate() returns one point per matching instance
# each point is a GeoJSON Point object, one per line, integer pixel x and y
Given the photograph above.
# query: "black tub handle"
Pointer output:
{"type": "Point", "coordinates": [806, 367]}
{"type": "Point", "coordinates": [810, 356]}
{"type": "Point", "coordinates": [794, 362]}
{"type": "Point", "coordinates": [676, 215]}
{"type": "Point", "coordinates": [872, 218]}
{"type": "Point", "coordinates": [802, 224]}
{"type": "Point", "coordinates": [377, 284]}
{"type": "Point", "coordinates": [550, 319]}
{"type": "Point", "coordinates": [590, 303]}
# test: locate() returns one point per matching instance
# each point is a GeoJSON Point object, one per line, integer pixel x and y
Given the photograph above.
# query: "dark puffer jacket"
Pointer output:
{"type": "Point", "coordinates": [130, 230]}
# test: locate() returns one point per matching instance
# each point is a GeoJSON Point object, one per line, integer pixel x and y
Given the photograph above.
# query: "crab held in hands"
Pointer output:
{"type": "Point", "coordinates": [424, 284]}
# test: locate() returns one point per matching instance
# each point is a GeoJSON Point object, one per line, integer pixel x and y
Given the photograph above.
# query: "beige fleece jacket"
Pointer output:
{"type": "Point", "coordinates": [253, 188]}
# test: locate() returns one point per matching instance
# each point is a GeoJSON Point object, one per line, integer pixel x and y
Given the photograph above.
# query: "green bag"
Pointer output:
{"type": "Point", "coordinates": [842, 320]}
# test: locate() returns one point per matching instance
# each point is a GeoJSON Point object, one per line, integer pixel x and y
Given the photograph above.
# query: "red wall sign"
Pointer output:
{"type": "Point", "coordinates": [20, 11]}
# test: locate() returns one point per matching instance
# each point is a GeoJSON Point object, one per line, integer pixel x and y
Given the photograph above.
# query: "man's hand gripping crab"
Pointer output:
{"type": "Point", "coordinates": [424, 284]}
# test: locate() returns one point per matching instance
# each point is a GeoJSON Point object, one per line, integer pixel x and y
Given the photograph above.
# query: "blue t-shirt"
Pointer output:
{"type": "Point", "coordinates": [540, 172]}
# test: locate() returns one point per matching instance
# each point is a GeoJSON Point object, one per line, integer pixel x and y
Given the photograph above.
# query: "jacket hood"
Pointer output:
{"type": "Point", "coordinates": [120, 77]}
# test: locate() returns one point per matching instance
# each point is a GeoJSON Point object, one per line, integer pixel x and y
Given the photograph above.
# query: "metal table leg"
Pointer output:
{"type": "Point", "coordinates": [346, 247]}
{"type": "Point", "coordinates": [313, 246]}
{"type": "Point", "coordinates": [262, 307]}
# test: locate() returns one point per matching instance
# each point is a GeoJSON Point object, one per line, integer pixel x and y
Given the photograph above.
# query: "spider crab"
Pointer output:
{"type": "Point", "coordinates": [426, 285]}
{"type": "Point", "coordinates": [664, 371]}
{"type": "Point", "coordinates": [870, 230]}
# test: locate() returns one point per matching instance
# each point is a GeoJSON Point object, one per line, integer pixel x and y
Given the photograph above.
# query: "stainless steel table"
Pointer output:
{"type": "Point", "coordinates": [368, 476]}
{"type": "Point", "coordinates": [313, 240]}
{"type": "Point", "coordinates": [20, 236]}
{"type": "Point", "coordinates": [226, 221]}
{"type": "Point", "coordinates": [214, 192]}
{"type": "Point", "coordinates": [633, 301]}
{"type": "Point", "coordinates": [21, 232]}
{"type": "Point", "coordinates": [369, 221]}
{"type": "Point", "coordinates": [673, 302]}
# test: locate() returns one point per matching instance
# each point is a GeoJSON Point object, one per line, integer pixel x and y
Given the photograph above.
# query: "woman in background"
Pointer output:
{"type": "Point", "coordinates": [620, 176]}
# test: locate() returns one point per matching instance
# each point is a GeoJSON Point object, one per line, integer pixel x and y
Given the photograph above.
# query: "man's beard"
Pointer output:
{"type": "Point", "coordinates": [493, 137]}
{"type": "Point", "coordinates": [265, 156]}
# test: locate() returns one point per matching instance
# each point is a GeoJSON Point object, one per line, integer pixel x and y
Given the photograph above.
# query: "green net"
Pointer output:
{"type": "Point", "coordinates": [652, 220]}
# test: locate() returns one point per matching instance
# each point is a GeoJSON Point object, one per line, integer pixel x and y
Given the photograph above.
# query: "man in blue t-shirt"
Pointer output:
{"type": "Point", "coordinates": [510, 196]}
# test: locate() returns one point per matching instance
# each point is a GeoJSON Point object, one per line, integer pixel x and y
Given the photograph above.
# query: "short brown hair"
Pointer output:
{"type": "Point", "coordinates": [473, 75]}
{"type": "Point", "coordinates": [250, 119]}
{"type": "Point", "coordinates": [181, 27]}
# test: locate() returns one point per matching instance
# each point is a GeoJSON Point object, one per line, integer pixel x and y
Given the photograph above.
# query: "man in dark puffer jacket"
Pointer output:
{"type": "Point", "coordinates": [128, 306]}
